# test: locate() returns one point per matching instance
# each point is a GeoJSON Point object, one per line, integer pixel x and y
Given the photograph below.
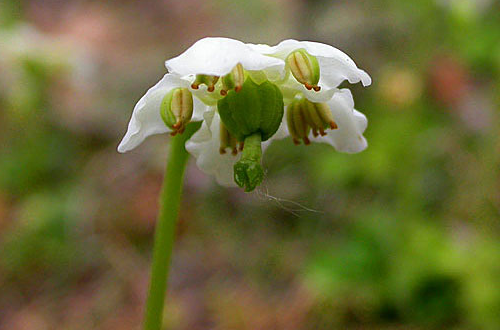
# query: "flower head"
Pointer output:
{"type": "Point", "coordinates": [248, 95]}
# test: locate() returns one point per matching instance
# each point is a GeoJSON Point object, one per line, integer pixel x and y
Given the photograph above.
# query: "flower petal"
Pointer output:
{"type": "Point", "coordinates": [218, 56]}
{"type": "Point", "coordinates": [335, 65]}
{"type": "Point", "coordinates": [348, 137]}
{"type": "Point", "coordinates": [146, 119]}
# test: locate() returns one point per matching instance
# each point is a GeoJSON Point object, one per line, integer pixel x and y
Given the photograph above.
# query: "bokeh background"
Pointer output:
{"type": "Point", "coordinates": [402, 236]}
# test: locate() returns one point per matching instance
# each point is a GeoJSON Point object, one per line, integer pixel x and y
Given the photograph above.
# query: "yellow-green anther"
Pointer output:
{"type": "Point", "coordinates": [297, 122]}
{"type": "Point", "coordinates": [208, 80]}
{"type": "Point", "coordinates": [305, 68]}
{"type": "Point", "coordinates": [176, 109]}
{"type": "Point", "coordinates": [318, 116]}
{"type": "Point", "coordinates": [227, 141]}
{"type": "Point", "coordinates": [233, 80]}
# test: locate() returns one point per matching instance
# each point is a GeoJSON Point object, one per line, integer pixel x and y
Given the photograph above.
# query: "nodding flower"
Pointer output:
{"type": "Point", "coordinates": [248, 95]}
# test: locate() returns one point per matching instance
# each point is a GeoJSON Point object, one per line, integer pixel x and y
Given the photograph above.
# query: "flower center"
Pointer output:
{"type": "Point", "coordinates": [249, 114]}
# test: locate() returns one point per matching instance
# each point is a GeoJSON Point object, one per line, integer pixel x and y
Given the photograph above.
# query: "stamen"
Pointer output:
{"type": "Point", "coordinates": [319, 116]}
{"type": "Point", "coordinates": [305, 68]}
{"type": "Point", "coordinates": [227, 141]}
{"type": "Point", "coordinates": [297, 122]}
{"type": "Point", "coordinates": [304, 116]}
{"type": "Point", "coordinates": [208, 80]}
{"type": "Point", "coordinates": [176, 109]}
{"type": "Point", "coordinates": [315, 132]}
{"type": "Point", "coordinates": [233, 80]}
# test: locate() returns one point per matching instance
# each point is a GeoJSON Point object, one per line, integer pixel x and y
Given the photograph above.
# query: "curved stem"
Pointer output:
{"type": "Point", "coordinates": [165, 228]}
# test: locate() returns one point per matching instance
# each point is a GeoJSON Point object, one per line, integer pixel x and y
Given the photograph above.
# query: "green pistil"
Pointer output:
{"type": "Point", "coordinates": [248, 172]}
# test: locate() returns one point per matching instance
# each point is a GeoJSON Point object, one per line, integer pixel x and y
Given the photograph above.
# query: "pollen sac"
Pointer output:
{"type": "Point", "coordinates": [303, 116]}
{"type": "Point", "coordinates": [305, 68]}
{"type": "Point", "coordinates": [208, 80]}
{"type": "Point", "coordinates": [318, 116]}
{"type": "Point", "coordinates": [233, 80]}
{"type": "Point", "coordinates": [296, 119]}
{"type": "Point", "coordinates": [177, 109]}
{"type": "Point", "coordinates": [227, 140]}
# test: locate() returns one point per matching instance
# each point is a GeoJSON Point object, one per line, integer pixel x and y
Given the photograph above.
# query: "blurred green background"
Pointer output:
{"type": "Point", "coordinates": [402, 236]}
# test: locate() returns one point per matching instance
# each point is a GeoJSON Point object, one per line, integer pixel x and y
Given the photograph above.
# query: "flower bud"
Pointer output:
{"type": "Point", "coordinates": [177, 109]}
{"type": "Point", "coordinates": [305, 68]}
{"type": "Point", "coordinates": [233, 80]}
{"type": "Point", "coordinates": [297, 123]}
{"type": "Point", "coordinates": [208, 80]}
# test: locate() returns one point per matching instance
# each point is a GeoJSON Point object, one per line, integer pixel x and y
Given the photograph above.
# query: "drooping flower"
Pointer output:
{"type": "Point", "coordinates": [247, 95]}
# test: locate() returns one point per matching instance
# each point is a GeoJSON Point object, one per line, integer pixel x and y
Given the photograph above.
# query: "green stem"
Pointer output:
{"type": "Point", "coordinates": [165, 228]}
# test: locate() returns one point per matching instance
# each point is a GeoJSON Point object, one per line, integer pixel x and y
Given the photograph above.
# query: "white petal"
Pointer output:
{"type": "Point", "coordinates": [348, 137]}
{"type": "Point", "coordinates": [204, 146]}
{"type": "Point", "coordinates": [335, 65]}
{"type": "Point", "coordinates": [218, 56]}
{"type": "Point", "coordinates": [146, 119]}
{"type": "Point", "coordinates": [361, 120]}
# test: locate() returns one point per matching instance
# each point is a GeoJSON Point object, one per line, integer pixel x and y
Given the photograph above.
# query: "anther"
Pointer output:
{"type": "Point", "coordinates": [227, 141]}
{"type": "Point", "coordinates": [297, 122]}
{"type": "Point", "coordinates": [207, 80]}
{"type": "Point", "coordinates": [305, 68]}
{"type": "Point", "coordinates": [176, 109]}
{"type": "Point", "coordinates": [304, 116]}
{"type": "Point", "coordinates": [319, 117]}
{"type": "Point", "coordinates": [233, 80]}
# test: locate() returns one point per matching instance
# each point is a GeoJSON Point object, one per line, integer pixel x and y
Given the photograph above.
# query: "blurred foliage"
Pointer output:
{"type": "Point", "coordinates": [402, 236]}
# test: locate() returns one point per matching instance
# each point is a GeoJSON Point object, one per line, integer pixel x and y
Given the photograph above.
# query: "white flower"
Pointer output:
{"type": "Point", "coordinates": [301, 75]}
